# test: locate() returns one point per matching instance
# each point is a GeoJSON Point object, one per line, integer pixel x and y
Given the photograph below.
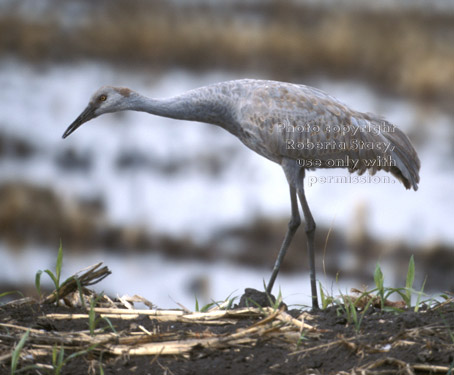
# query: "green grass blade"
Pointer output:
{"type": "Point", "coordinates": [402, 292]}
{"type": "Point", "coordinates": [364, 313]}
{"type": "Point", "coordinates": [61, 356]}
{"type": "Point", "coordinates": [197, 307]}
{"type": "Point", "coordinates": [410, 273]}
{"type": "Point", "coordinates": [322, 295]}
{"type": "Point", "coordinates": [208, 306]}
{"type": "Point", "coordinates": [59, 265]}
{"type": "Point", "coordinates": [53, 277]}
{"type": "Point", "coordinates": [420, 293]}
{"type": "Point", "coordinates": [409, 281]}
{"type": "Point", "coordinates": [56, 283]}
{"type": "Point", "coordinates": [275, 305]}
{"type": "Point", "coordinates": [38, 282]}
{"type": "Point", "coordinates": [326, 299]}
{"type": "Point", "coordinates": [16, 353]}
{"type": "Point", "coordinates": [57, 359]}
{"type": "Point", "coordinates": [4, 294]}
{"type": "Point", "coordinates": [378, 277]}
{"type": "Point", "coordinates": [26, 368]}
{"type": "Point", "coordinates": [79, 353]}
{"type": "Point", "coordinates": [354, 312]}
{"type": "Point", "coordinates": [92, 318]}
{"type": "Point", "coordinates": [350, 310]}
{"type": "Point", "coordinates": [110, 324]}
{"type": "Point", "coordinates": [230, 303]}
{"type": "Point", "coordinates": [230, 300]}
{"type": "Point", "coordinates": [54, 355]}
{"type": "Point", "coordinates": [379, 282]}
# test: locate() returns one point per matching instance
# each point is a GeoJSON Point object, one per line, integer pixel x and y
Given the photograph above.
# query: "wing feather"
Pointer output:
{"type": "Point", "coordinates": [286, 121]}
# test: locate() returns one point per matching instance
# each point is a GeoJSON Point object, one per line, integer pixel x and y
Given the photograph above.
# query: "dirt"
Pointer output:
{"type": "Point", "coordinates": [384, 342]}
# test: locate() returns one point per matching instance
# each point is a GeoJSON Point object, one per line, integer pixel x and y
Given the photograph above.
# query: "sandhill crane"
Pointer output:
{"type": "Point", "coordinates": [296, 126]}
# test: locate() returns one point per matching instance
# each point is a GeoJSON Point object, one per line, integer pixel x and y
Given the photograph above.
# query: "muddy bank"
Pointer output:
{"type": "Point", "coordinates": [239, 340]}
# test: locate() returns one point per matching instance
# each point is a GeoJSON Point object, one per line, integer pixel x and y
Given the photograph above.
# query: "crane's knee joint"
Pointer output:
{"type": "Point", "coordinates": [310, 227]}
{"type": "Point", "coordinates": [294, 223]}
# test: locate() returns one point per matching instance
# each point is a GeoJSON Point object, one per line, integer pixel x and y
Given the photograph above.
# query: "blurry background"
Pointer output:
{"type": "Point", "coordinates": [177, 208]}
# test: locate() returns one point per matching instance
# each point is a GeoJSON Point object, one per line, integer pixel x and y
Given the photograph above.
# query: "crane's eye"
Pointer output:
{"type": "Point", "coordinates": [102, 98]}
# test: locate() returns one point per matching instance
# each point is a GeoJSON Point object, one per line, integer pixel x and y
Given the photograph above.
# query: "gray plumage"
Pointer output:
{"type": "Point", "coordinates": [298, 127]}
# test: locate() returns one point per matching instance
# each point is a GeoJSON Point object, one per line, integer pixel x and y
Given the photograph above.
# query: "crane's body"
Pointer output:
{"type": "Point", "coordinates": [298, 127]}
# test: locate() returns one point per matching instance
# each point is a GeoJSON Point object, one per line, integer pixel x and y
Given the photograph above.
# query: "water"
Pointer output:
{"type": "Point", "coordinates": [165, 283]}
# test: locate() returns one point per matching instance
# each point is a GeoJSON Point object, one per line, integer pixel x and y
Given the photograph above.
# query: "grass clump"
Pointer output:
{"type": "Point", "coordinates": [226, 304]}
{"type": "Point", "coordinates": [354, 307]}
{"type": "Point", "coordinates": [55, 277]}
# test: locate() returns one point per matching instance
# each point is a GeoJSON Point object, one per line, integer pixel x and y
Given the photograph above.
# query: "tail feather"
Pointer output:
{"type": "Point", "coordinates": [401, 152]}
{"type": "Point", "coordinates": [407, 161]}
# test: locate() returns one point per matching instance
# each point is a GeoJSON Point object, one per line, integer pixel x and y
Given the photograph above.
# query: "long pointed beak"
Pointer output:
{"type": "Point", "coordinates": [85, 116]}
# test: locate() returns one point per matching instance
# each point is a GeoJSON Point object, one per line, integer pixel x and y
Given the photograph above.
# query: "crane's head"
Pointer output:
{"type": "Point", "coordinates": [105, 100]}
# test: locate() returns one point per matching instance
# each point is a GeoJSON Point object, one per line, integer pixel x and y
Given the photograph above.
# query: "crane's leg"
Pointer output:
{"type": "Point", "coordinates": [293, 225]}
{"type": "Point", "coordinates": [310, 233]}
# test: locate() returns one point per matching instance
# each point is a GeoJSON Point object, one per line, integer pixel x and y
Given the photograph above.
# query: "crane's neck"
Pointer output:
{"type": "Point", "coordinates": [195, 105]}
